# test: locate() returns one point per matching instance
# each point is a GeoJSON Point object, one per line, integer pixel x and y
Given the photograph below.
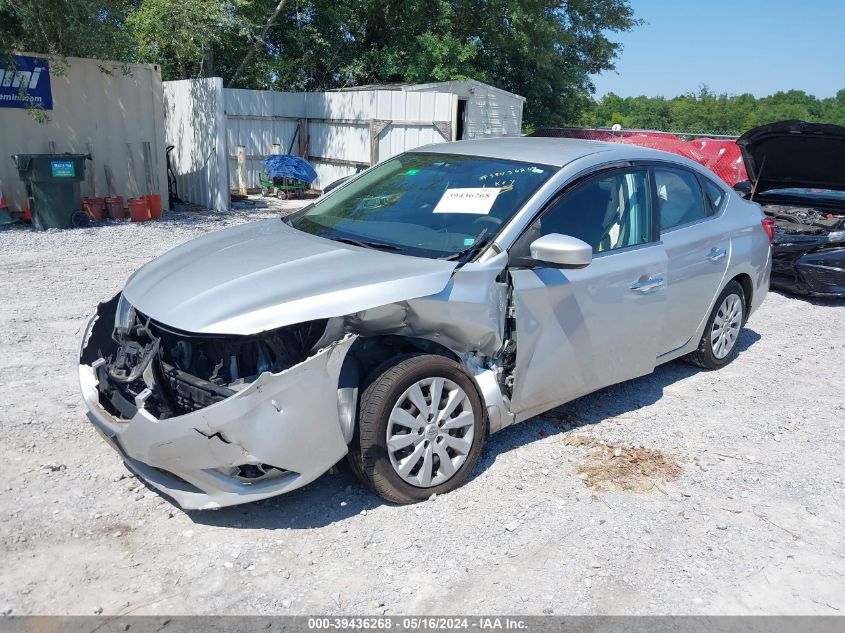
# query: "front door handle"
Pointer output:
{"type": "Point", "coordinates": [716, 254]}
{"type": "Point", "coordinates": [647, 284]}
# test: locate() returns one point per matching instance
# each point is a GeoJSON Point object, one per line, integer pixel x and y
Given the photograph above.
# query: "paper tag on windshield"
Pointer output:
{"type": "Point", "coordinates": [477, 200]}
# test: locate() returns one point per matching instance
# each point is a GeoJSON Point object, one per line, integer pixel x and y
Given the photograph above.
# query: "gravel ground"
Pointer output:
{"type": "Point", "coordinates": [683, 492]}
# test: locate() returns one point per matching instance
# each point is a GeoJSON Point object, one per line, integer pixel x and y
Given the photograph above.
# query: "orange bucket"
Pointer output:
{"type": "Point", "coordinates": [94, 207]}
{"type": "Point", "coordinates": [114, 206]}
{"type": "Point", "coordinates": [154, 202]}
{"type": "Point", "coordinates": [139, 209]}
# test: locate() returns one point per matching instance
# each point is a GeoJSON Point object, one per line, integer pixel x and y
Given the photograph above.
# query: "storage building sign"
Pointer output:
{"type": "Point", "coordinates": [26, 84]}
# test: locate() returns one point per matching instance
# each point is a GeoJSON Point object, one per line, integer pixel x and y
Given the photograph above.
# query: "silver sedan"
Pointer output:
{"type": "Point", "coordinates": [438, 297]}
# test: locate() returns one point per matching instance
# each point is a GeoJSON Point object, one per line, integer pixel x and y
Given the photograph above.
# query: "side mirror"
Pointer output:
{"type": "Point", "coordinates": [561, 250]}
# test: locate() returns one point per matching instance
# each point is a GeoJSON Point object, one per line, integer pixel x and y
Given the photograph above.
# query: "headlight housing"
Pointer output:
{"type": "Point", "coordinates": [124, 316]}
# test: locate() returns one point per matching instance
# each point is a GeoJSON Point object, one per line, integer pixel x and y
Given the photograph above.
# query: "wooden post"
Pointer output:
{"type": "Point", "coordinates": [242, 170]}
{"type": "Point", "coordinates": [148, 167]}
{"type": "Point", "coordinates": [109, 180]}
{"type": "Point", "coordinates": [303, 138]}
{"type": "Point", "coordinates": [376, 128]}
{"type": "Point", "coordinates": [373, 143]}
{"type": "Point", "coordinates": [90, 177]}
{"type": "Point", "coordinates": [132, 187]}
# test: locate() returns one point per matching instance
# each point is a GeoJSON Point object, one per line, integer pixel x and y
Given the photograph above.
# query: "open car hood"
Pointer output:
{"type": "Point", "coordinates": [791, 154]}
{"type": "Point", "coordinates": [265, 275]}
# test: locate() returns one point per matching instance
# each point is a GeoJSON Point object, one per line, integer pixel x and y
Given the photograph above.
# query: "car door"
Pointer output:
{"type": "Point", "coordinates": [578, 330]}
{"type": "Point", "coordinates": [697, 247]}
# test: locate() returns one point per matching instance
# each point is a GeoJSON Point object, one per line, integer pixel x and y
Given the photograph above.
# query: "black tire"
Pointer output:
{"type": "Point", "coordinates": [368, 453]}
{"type": "Point", "coordinates": [80, 219]}
{"type": "Point", "coordinates": [704, 355]}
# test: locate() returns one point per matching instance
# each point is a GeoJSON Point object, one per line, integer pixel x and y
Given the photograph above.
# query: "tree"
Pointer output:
{"type": "Point", "coordinates": [65, 28]}
{"type": "Point", "coordinates": [179, 35]}
{"type": "Point", "coordinates": [245, 63]}
{"type": "Point", "coordinates": [708, 112]}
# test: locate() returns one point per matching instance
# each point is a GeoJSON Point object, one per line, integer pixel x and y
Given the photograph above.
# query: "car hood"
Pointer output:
{"type": "Point", "coordinates": [794, 154]}
{"type": "Point", "coordinates": [264, 275]}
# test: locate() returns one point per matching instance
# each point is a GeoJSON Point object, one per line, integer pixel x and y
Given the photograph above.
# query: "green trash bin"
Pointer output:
{"type": "Point", "coordinates": [52, 184]}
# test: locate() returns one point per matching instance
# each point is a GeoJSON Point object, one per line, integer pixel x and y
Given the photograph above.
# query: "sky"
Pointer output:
{"type": "Point", "coordinates": [736, 46]}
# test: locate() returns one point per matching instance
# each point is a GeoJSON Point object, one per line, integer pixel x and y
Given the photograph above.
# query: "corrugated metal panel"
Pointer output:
{"type": "Point", "coordinates": [490, 111]}
{"type": "Point", "coordinates": [337, 134]}
{"type": "Point", "coordinates": [414, 106]}
{"type": "Point", "coordinates": [104, 108]}
{"type": "Point", "coordinates": [264, 102]}
{"type": "Point", "coordinates": [490, 114]}
{"type": "Point", "coordinates": [258, 138]}
{"type": "Point", "coordinates": [253, 120]}
{"type": "Point", "coordinates": [195, 127]}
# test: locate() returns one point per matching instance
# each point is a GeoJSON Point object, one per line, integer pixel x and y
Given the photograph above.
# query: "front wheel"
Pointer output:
{"type": "Point", "coordinates": [718, 345]}
{"type": "Point", "coordinates": [421, 426]}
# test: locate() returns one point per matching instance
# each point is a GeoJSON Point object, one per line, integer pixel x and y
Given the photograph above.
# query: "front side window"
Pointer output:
{"type": "Point", "coordinates": [679, 199]}
{"type": "Point", "coordinates": [608, 212]}
{"type": "Point", "coordinates": [426, 204]}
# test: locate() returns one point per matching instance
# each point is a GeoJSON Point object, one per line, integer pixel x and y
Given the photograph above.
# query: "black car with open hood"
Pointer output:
{"type": "Point", "coordinates": [797, 174]}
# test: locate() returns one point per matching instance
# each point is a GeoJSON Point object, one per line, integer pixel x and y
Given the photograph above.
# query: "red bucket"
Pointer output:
{"type": "Point", "coordinates": [94, 207]}
{"type": "Point", "coordinates": [154, 202]}
{"type": "Point", "coordinates": [114, 206]}
{"type": "Point", "coordinates": [139, 209]}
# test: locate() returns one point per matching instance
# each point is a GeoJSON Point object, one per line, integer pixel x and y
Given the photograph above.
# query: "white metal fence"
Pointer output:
{"type": "Point", "coordinates": [340, 133]}
{"type": "Point", "coordinates": [195, 125]}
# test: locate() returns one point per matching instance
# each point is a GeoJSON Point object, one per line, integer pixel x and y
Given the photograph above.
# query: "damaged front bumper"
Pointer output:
{"type": "Point", "coordinates": [277, 434]}
{"type": "Point", "coordinates": [809, 267]}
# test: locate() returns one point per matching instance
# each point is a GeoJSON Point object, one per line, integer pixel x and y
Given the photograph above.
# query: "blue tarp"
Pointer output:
{"type": "Point", "coordinates": [289, 166]}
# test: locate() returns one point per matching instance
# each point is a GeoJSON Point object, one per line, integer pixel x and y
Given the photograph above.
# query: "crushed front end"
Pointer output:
{"type": "Point", "coordinates": [808, 252]}
{"type": "Point", "coordinates": [214, 420]}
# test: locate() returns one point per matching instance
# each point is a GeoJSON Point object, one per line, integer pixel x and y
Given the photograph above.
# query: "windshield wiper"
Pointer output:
{"type": "Point", "coordinates": [479, 243]}
{"type": "Point", "coordinates": [367, 244]}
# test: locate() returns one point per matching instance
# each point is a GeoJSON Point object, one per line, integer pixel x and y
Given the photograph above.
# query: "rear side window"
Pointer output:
{"type": "Point", "coordinates": [715, 194]}
{"type": "Point", "coordinates": [679, 199]}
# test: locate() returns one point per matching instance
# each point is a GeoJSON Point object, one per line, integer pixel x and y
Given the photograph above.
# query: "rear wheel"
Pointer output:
{"type": "Point", "coordinates": [718, 345]}
{"type": "Point", "coordinates": [420, 429]}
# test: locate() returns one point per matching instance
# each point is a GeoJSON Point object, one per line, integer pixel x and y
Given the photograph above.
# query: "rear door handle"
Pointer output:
{"type": "Point", "coordinates": [716, 254]}
{"type": "Point", "coordinates": [647, 284]}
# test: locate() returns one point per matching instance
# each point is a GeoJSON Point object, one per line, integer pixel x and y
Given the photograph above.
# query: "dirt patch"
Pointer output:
{"type": "Point", "coordinates": [636, 469]}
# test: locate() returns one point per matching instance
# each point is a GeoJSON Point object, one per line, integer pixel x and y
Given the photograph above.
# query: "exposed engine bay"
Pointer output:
{"type": "Point", "coordinates": [174, 373]}
{"type": "Point", "coordinates": [793, 220]}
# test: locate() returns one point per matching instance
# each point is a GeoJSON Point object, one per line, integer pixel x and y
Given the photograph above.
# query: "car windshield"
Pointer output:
{"type": "Point", "coordinates": [426, 204]}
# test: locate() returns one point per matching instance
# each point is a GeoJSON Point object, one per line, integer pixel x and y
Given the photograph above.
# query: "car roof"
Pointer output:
{"type": "Point", "coordinates": [546, 151]}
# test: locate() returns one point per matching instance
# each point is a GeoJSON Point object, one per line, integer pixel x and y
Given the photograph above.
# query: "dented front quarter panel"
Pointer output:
{"type": "Point", "coordinates": [467, 315]}
{"type": "Point", "coordinates": [289, 420]}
